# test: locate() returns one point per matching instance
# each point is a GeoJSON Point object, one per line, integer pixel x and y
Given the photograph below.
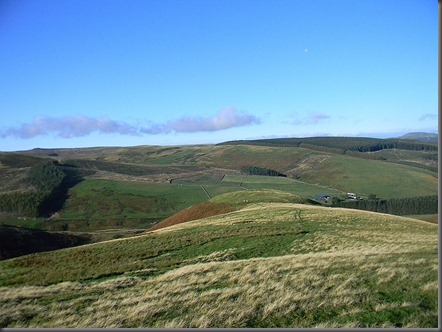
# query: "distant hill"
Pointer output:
{"type": "Point", "coordinates": [340, 145]}
{"type": "Point", "coordinates": [117, 183]}
{"type": "Point", "coordinates": [421, 136]}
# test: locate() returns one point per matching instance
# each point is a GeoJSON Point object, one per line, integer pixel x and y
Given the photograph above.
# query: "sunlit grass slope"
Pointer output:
{"type": "Point", "coordinates": [286, 184]}
{"type": "Point", "coordinates": [387, 180]}
{"type": "Point", "coordinates": [225, 203]}
{"type": "Point", "coordinates": [273, 263]}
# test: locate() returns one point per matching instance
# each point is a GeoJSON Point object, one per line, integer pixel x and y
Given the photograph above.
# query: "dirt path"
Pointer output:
{"type": "Point", "coordinates": [242, 187]}
{"type": "Point", "coordinates": [308, 164]}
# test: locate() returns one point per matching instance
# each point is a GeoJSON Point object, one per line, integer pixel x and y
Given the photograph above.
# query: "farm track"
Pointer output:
{"type": "Point", "coordinates": [241, 186]}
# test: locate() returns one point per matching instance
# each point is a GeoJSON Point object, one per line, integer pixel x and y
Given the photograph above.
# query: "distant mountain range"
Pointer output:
{"type": "Point", "coordinates": [421, 136]}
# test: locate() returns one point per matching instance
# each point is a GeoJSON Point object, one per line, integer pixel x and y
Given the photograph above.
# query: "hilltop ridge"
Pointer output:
{"type": "Point", "coordinates": [421, 136]}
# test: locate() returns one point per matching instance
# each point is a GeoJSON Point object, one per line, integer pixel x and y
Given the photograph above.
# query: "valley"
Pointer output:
{"type": "Point", "coordinates": [150, 236]}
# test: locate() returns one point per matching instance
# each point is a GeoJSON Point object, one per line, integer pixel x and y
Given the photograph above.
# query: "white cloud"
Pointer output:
{"type": "Point", "coordinates": [79, 126]}
{"type": "Point", "coordinates": [224, 119]}
{"type": "Point", "coordinates": [428, 117]}
{"type": "Point", "coordinates": [68, 127]}
{"type": "Point", "coordinates": [311, 118]}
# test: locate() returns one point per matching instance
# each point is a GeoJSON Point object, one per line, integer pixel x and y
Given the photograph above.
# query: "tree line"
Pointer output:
{"type": "Point", "coordinates": [397, 206]}
{"type": "Point", "coordinates": [342, 144]}
{"type": "Point", "coordinates": [255, 170]}
{"type": "Point", "coordinates": [46, 178]}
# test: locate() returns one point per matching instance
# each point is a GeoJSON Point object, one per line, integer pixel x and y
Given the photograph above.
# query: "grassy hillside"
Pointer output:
{"type": "Point", "coordinates": [206, 165]}
{"type": "Point", "coordinates": [98, 199]}
{"type": "Point", "coordinates": [122, 201]}
{"type": "Point", "coordinates": [340, 172]}
{"type": "Point", "coordinates": [369, 176]}
{"type": "Point", "coordinates": [226, 203]}
{"type": "Point", "coordinates": [271, 263]}
{"type": "Point", "coordinates": [304, 189]}
{"type": "Point", "coordinates": [417, 176]}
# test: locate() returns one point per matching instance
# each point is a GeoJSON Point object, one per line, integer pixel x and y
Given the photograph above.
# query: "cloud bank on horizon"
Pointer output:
{"type": "Point", "coordinates": [68, 127]}
{"type": "Point", "coordinates": [428, 116]}
{"type": "Point", "coordinates": [80, 126]}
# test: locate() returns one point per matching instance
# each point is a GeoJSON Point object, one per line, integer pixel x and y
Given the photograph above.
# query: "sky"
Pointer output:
{"type": "Point", "coordinates": [83, 73]}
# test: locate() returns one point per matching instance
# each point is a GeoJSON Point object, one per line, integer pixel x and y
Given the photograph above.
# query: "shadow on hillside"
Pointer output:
{"type": "Point", "coordinates": [18, 241]}
{"type": "Point", "coordinates": [58, 197]}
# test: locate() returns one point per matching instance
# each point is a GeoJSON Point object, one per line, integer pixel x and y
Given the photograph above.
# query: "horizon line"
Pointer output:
{"type": "Point", "coordinates": [234, 140]}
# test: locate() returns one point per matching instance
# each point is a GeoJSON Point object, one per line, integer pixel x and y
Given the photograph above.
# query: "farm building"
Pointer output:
{"type": "Point", "coordinates": [322, 197]}
{"type": "Point", "coordinates": [352, 196]}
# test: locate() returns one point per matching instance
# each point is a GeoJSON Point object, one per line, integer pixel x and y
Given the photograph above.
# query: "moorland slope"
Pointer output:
{"type": "Point", "coordinates": [270, 263]}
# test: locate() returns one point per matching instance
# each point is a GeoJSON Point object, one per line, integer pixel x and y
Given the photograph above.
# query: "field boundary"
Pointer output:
{"type": "Point", "coordinates": [204, 189]}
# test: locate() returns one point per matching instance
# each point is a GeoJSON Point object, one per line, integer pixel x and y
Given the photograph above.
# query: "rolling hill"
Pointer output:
{"type": "Point", "coordinates": [421, 136]}
{"type": "Point", "coordinates": [115, 192]}
{"type": "Point", "coordinates": [270, 262]}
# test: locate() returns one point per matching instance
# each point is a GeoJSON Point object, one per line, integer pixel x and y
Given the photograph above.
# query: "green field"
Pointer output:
{"type": "Point", "coordinates": [254, 182]}
{"type": "Point", "coordinates": [269, 264]}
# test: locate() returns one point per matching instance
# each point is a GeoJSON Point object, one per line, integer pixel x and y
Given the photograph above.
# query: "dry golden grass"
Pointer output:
{"type": "Point", "coordinates": [354, 269]}
{"type": "Point", "coordinates": [216, 294]}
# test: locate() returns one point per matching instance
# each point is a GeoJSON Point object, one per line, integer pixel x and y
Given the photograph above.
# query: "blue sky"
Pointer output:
{"type": "Point", "coordinates": [162, 72]}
